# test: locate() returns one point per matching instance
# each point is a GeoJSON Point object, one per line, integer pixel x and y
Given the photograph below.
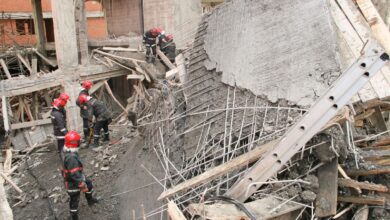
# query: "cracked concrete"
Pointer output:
{"type": "Point", "coordinates": [282, 49]}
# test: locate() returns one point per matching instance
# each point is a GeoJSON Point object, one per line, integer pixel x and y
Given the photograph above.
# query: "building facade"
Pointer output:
{"type": "Point", "coordinates": [17, 26]}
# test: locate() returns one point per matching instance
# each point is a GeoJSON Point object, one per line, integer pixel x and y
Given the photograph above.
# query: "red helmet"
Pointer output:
{"type": "Point", "coordinates": [72, 139]}
{"type": "Point", "coordinates": [64, 96]}
{"type": "Point", "coordinates": [169, 37]}
{"type": "Point", "coordinates": [83, 99]}
{"type": "Point", "coordinates": [58, 103]}
{"type": "Point", "coordinates": [156, 31]}
{"type": "Point", "coordinates": [87, 84]}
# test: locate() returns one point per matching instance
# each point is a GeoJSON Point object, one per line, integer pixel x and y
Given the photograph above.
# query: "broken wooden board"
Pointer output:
{"type": "Point", "coordinates": [262, 209]}
{"type": "Point", "coordinates": [5, 68]}
{"type": "Point", "coordinates": [215, 172]}
{"type": "Point", "coordinates": [30, 124]}
{"type": "Point", "coordinates": [174, 212]}
{"type": "Point", "coordinates": [361, 172]}
{"type": "Point", "coordinates": [362, 185]}
{"type": "Point", "coordinates": [326, 202]}
{"type": "Point", "coordinates": [367, 200]}
{"type": "Point", "coordinates": [165, 59]}
{"type": "Point", "coordinates": [378, 26]}
{"type": "Point", "coordinates": [6, 211]}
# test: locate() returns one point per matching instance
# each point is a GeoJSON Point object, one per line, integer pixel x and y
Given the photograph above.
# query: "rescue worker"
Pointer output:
{"type": "Point", "coordinates": [86, 86]}
{"type": "Point", "coordinates": [150, 41]}
{"type": "Point", "coordinates": [168, 47]}
{"type": "Point", "coordinates": [97, 110]}
{"type": "Point", "coordinates": [74, 179]}
{"type": "Point", "coordinates": [64, 96]}
{"type": "Point", "coordinates": [58, 119]}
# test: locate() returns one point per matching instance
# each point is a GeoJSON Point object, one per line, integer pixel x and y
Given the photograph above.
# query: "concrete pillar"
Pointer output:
{"type": "Point", "coordinates": [72, 110]}
{"type": "Point", "coordinates": [38, 25]}
{"type": "Point", "coordinates": [65, 33]}
{"type": "Point", "coordinates": [82, 31]}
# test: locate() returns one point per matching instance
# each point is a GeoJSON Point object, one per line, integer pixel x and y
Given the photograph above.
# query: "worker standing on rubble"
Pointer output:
{"type": "Point", "coordinates": [150, 41]}
{"type": "Point", "coordinates": [74, 179]}
{"type": "Point", "coordinates": [168, 47]}
{"type": "Point", "coordinates": [98, 112]}
{"type": "Point", "coordinates": [87, 85]}
{"type": "Point", "coordinates": [58, 119]}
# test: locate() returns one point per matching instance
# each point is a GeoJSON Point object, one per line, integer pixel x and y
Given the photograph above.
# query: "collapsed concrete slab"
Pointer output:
{"type": "Point", "coordinates": [278, 49]}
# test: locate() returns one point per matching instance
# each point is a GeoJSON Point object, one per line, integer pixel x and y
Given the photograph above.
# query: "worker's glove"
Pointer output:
{"type": "Point", "coordinates": [83, 187]}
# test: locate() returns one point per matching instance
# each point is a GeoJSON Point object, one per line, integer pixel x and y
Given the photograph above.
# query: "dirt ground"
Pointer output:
{"type": "Point", "coordinates": [124, 187]}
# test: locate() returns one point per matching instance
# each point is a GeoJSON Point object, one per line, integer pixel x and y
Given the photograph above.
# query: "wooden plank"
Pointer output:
{"type": "Point", "coordinates": [261, 209]}
{"type": "Point", "coordinates": [34, 65]}
{"type": "Point", "coordinates": [165, 59]}
{"type": "Point", "coordinates": [4, 109]}
{"type": "Point", "coordinates": [215, 172]}
{"type": "Point", "coordinates": [96, 86]}
{"type": "Point", "coordinates": [120, 49]}
{"type": "Point", "coordinates": [5, 68]}
{"type": "Point", "coordinates": [354, 43]}
{"type": "Point", "coordinates": [51, 63]}
{"type": "Point", "coordinates": [368, 200]}
{"type": "Point", "coordinates": [6, 211]}
{"type": "Point", "coordinates": [141, 70]}
{"type": "Point", "coordinates": [134, 76]}
{"type": "Point", "coordinates": [326, 202]}
{"type": "Point", "coordinates": [378, 26]}
{"type": "Point", "coordinates": [377, 119]}
{"type": "Point", "coordinates": [172, 73]}
{"type": "Point", "coordinates": [378, 171]}
{"type": "Point", "coordinates": [362, 185]}
{"type": "Point", "coordinates": [174, 212]}
{"type": "Point", "coordinates": [30, 124]}
{"type": "Point", "coordinates": [6, 178]}
{"type": "Point", "coordinates": [114, 98]}
{"type": "Point", "coordinates": [7, 161]}
{"type": "Point", "coordinates": [118, 57]}
{"type": "Point", "coordinates": [25, 63]}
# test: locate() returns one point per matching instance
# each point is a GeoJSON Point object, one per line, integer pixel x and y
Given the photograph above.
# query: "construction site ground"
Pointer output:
{"type": "Point", "coordinates": [121, 188]}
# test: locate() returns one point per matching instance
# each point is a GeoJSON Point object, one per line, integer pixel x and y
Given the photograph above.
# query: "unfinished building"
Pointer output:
{"type": "Point", "coordinates": [272, 110]}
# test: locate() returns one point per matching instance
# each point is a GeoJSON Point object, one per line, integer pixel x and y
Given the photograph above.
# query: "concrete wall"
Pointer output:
{"type": "Point", "coordinates": [123, 17]}
{"type": "Point", "coordinates": [283, 49]}
{"type": "Point", "coordinates": [181, 18]}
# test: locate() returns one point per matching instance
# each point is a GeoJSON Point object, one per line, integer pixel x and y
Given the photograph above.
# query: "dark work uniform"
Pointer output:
{"type": "Point", "coordinates": [73, 180]}
{"type": "Point", "coordinates": [58, 119]}
{"type": "Point", "coordinates": [150, 43]}
{"type": "Point", "coordinates": [103, 118]}
{"type": "Point", "coordinates": [84, 113]}
{"type": "Point", "coordinates": [169, 49]}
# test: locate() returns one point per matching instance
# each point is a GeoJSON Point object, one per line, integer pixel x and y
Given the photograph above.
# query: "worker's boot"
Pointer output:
{"type": "Point", "coordinates": [95, 143]}
{"type": "Point", "coordinates": [90, 199]}
{"type": "Point", "coordinates": [106, 137]}
{"type": "Point", "coordinates": [148, 59]}
{"type": "Point", "coordinates": [74, 215]}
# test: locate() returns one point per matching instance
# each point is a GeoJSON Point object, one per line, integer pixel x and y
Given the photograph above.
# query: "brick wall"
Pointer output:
{"type": "Point", "coordinates": [97, 28]}
{"type": "Point", "coordinates": [25, 6]}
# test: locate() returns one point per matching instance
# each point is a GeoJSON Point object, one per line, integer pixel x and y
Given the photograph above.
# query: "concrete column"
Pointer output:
{"type": "Point", "coordinates": [38, 25]}
{"type": "Point", "coordinates": [82, 31]}
{"type": "Point", "coordinates": [65, 33]}
{"type": "Point", "coordinates": [72, 110]}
